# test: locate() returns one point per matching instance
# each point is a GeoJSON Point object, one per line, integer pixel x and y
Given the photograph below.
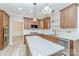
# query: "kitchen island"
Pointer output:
{"type": "Point", "coordinates": [39, 46]}
{"type": "Point", "coordinates": [68, 40]}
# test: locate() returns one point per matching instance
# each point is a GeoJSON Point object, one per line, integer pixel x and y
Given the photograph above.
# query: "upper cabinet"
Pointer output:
{"type": "Point", "coordinates": [68, 17]}
{"type": "Point", "coordinates": [27, 23]}
{"type": "Point", "coordinates": [40, 23]}
{"type": "Point", "coordinates": [5, 18]}
{"type": "Point", "coordinates": [46, 23]}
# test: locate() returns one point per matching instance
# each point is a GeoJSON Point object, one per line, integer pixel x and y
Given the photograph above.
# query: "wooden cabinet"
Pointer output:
{"type": "Point", "coordinates": [62, 19]}
{"type": "Point", "coordinates": [27, 23]}
{"type": "Point", "coordinates": [68, 17]}
{"type": "Point", "coordinates": [73, 16]}
{"type": "Point", "coordinates": [52, 38]}
{"type": "Point", "coordinates": [5, 22]}
{"type": "Point", "coordinates": [4, 29]}
{"type": "Point", "coordinates": [46, 23]}
{"type": "Point", "coordinates": [41, 23]}
{"type": "Point", "coordinates": [1, 38]}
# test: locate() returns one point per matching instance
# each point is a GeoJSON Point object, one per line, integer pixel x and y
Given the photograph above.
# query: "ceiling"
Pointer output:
{"type": "Point", "coordinates": [26, 9]}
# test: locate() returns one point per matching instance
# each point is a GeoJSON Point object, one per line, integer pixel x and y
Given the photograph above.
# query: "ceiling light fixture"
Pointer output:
{"type": "Point", "coordinates": [46, 9]}
{"type": "Point", "coordinates": [31, 11]}
{"type": "Point", "coordinates": [34, 19]}
{"type": "Point", "coordinates": [19, 8]}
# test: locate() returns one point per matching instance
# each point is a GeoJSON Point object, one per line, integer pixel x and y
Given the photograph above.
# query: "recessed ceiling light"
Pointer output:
{"type": "Point", "coordinates": [31, 10]}
{"type": "Point", "coordinates": [19, 8]}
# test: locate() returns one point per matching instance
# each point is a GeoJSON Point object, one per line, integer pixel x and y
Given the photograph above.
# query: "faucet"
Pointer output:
{"type": "Point", "coordinates": [68, 31]}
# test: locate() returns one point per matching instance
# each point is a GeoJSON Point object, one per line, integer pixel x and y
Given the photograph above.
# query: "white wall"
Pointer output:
{"type": "Point", "coordinates": [11, 32]}
{"type": "Point", "coordinates": [17, 19]}
{"type": "Point", "coordinates": [78, 16]}
{"type": "Point", "coordinates": [55, 20]}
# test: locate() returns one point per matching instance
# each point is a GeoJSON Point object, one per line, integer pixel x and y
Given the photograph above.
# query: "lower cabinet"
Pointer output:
{"type": "Point", "coordinates": [64, 43]}
{"type": "Point", "coordinates": [71, 46]}
{"type": "Point", "coordinates": [48, 37]}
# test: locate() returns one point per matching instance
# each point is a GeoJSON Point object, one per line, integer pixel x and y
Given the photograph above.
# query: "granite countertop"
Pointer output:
{"type": "Point", "coordinates": [39, 31]}
{"type": "Point", "coordinates": [40, 46]}
{"type": "Point", "coordinates": [65, 35]}
{"type": "Point", "coordinates": [69, 36]}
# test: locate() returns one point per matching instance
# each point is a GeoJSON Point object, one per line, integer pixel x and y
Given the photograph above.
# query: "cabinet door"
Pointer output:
{"type": "Point", "coordinates": [45, 24]}
{"type": "Point", "coordinates": [7, 20]}
{"type": "Point", "coordinates": [1, 22]}
{"type": "Point", "coordinates": [72, 16]}
{"type": "Point", "coordinates": [64, 18]}
{"type": "Point", "coordinates": [62, 21]}
{"type": "Point", "coordinates": [41, 24]}
{"type": "Point", "coordinates": [27, 24]}
{"type": "Point", "coordinates": [1, 38]}
{"type": "Point", "coordinates": [68, 17]}
{"type": "Point", "coordinates": [4, 19]}
{"type": "Point", "coordinates": [52, 38]}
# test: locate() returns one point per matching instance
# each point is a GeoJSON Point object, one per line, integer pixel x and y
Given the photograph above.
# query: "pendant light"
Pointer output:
{"type": "Point", "coordinates": [46, 9]}
{"type": "Point", "coordinates": [34, 19]}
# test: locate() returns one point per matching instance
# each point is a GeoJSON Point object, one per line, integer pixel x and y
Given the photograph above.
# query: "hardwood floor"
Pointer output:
{"type": "Point", "coordinates": [17, 49]}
